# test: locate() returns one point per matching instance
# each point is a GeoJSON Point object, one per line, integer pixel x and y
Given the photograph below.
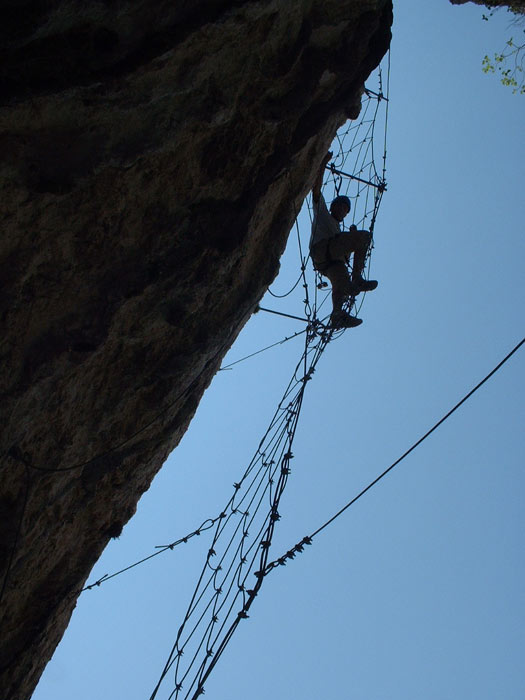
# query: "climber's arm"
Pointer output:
{"type": "Point", "coordinates": [318, 183]}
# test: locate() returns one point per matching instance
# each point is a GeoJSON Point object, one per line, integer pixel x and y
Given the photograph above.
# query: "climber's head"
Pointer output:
{"type": "Point", "coordinates": [340, 207]}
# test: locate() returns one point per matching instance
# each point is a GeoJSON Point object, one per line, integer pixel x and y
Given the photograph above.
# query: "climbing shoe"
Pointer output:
{"type": "Point", "coordinates": [364, 285]}
{"type": "Point", "coordinates": [340, 319]}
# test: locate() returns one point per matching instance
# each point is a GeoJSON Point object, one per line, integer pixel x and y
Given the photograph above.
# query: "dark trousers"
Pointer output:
{"type": "Point", "coordinates": [330, 257]}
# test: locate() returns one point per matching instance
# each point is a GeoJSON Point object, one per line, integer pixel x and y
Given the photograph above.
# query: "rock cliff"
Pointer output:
{"type": "Point", "coordinates": [513, 5]}
{"type": "Point", "coordinates": [153, 155]}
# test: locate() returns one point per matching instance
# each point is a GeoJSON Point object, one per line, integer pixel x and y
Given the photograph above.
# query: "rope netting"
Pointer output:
{"type": "Point", "coordinates": [354, 170]}
{"type": "Point", "coordinates": [241, 534]}
{"type": "Point", "coordinates": [237, 559]}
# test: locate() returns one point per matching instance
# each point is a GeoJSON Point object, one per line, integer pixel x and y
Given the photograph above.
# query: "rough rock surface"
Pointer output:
{"type": "Point", "coordinates": [153, 154]}
{"type": "Point", "coordinates": [514, 5]}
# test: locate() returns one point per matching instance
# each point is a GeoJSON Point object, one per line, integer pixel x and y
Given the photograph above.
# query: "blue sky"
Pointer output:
{"type": "Point", "coordinates": [418, 590]}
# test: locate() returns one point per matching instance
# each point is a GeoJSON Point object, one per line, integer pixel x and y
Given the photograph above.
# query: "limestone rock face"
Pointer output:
{"type": "Point", "coordinates": [152, 156]}
{"type": "Point", "coordinates": [514, 5]}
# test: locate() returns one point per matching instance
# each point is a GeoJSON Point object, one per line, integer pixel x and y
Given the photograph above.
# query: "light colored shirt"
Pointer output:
{"type": "Point", "coordinates": [324, 225]}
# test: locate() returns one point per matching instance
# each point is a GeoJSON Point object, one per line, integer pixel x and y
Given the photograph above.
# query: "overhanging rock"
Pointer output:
{"type": "Point", "coordinates": [154, 154]}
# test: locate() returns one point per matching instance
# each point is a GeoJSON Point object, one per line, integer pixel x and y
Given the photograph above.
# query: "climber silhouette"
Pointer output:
{"type": "Point", "coordinates": [330, 250]}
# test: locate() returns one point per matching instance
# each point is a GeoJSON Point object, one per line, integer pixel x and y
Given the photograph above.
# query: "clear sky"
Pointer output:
{"type": "Point", "coordinates": [418, 591]}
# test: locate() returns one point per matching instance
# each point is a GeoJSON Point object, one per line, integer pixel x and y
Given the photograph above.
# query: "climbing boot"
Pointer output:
{"type": "Point", "coordinates": [364, 285]}
{"type": "Point", "coordinates": [340, 319]}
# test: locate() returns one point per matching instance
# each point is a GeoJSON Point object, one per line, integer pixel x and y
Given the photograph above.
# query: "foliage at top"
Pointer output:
{"type": "Point", "coordinates": [509, 63]}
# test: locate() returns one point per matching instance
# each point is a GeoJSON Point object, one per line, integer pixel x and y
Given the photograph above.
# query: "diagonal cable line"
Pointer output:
{"type": "Point", "coordinates": [308, 539]}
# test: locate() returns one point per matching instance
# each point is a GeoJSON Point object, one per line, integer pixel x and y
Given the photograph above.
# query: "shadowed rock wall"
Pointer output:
{"type": "Point", "coordinates": [152, 156]}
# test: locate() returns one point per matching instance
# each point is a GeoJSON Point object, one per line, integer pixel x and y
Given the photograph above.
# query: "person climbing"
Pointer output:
{"type": "Point", "coordinates": [330, 250]}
